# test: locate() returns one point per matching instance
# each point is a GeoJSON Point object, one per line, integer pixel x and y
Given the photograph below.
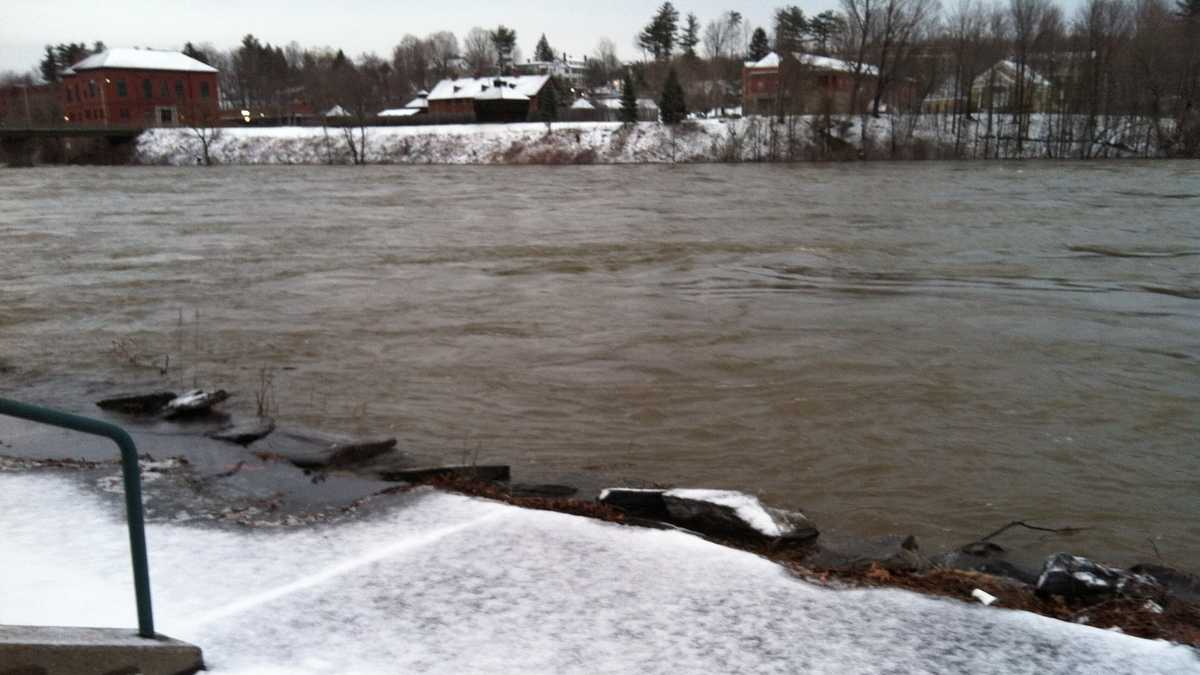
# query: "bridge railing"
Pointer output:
{"type": "Point", "coordinates": [133, 491]}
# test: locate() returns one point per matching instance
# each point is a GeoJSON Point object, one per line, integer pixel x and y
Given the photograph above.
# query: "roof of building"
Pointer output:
{"type": "Point", "coordinates": [615, 103]}
{"type": "Point", "coordinates": [336, 111]}
{"type": "Point", "coordinates": [421, 102]}
{"type": "Point", "coordinates": [1010, 69]}
{"type": "Point", "coordinates": [582, 104]}
{"type": "Point", "coordinates": [399, 112]}
{"type": "Point", "coordinates": [523, 87]}
{"type": "Point", "coordinates": [818, 62]}
{"type": "Point", "coordinates": [141, 59]}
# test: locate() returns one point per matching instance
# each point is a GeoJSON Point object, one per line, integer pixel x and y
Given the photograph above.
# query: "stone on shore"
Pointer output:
{"type": "Point", "coordinates": [715, 513]}
{"type": "Point", "coordinates": [194, 403]}
{"type": "Point", "coordinates": [482, 472]}
{"type": "Point", "coordinates": [344, 455]}
{"type": "Point", "coordinates": [543, 491]}
{"type": "Point", "coordinates": [246, 432]}
{"type": "Point", "coordinates": [985, 558]}
{"type": "Point", "coordinates": [642, 503]}
{"type": "Point", "coordinates": [138, 404]}
{"type": "Point", "coordinates": [1076, 578]}
{"type": "Point", "coordinates": [1179, 584]}
{"type": "Point", "coordinates": [725, 513]}
{"type": "Point", "coordinates": [348, 454]}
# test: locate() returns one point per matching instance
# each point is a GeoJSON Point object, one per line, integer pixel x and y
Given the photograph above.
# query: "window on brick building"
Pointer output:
{"type": "Point", "coordinates": [124, 113]}
{"type": "Point", "coordinates": [122, 90]}
{"type": "Point", "coordinates": [178, 88]}
{"type": "Point", "coordinates": [91, 88]}
{"type": "Point", "coordinates": [147, 89]}
{"type": "Point", "coordinates": [165, 90]}
{"type": "Point", "coordinates": [203, 90]}
{"type": "Point", "coordinates": [68, 94]}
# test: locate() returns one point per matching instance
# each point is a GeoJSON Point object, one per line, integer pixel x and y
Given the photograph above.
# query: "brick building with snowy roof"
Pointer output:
{"type": "Point", "coordinates": [488, 99]}
{"type": "Point", "coordinates": [809, 83]}
{"type": "Point", "coordinates": [139, 88]}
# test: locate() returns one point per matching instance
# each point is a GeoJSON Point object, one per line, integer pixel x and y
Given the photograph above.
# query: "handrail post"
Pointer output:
{"type": "Point", "coordinates": [133, 491]}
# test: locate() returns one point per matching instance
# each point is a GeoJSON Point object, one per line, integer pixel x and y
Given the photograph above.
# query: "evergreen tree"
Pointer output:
{"type": "Point", "coordinates": [690, 37]}
{"type": "Point", "coordinates": [200, 55]}
{"type": "Point", "coordinates": [658, 37]}
{"type": "Point", "coordinates": [824, 28]}
{"type": "Point", "coordinates": [504, 39]}
{"type": "Point", "coordinates": [672, 105]}
{"type": "Point", "coordinates": [548, 102]}
{"type": "Point", "coordinates": [49, 66]}
{"type": "Point", "coordinates": [543, 52]}
{"type": "Point", "coordinates": [790, 28]}
{"type": "Point", "coordinates": [629, 101]}
{"type": "Point", "coordinates": [760, 46]}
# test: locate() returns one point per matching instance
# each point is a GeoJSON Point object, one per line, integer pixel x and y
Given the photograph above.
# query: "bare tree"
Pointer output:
{"type": "Point", "coordinates": [443, 52]}
{"type": "Point", "coordinates": [479, 52]}
{"type": "Point", "coordinates": [411, 63]}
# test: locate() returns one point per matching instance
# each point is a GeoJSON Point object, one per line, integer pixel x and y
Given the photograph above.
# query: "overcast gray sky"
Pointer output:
{"type": "Point", "coordinates": [354, 25]}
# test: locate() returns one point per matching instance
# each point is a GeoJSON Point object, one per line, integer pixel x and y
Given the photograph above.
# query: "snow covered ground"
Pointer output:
{"type": "Point", "coordinates": [704, 140]}
{"type": "Point", "coordinates": [446, 583]}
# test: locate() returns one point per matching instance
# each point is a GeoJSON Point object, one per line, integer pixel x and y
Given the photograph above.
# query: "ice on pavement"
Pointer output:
{"type": "Point", "coordinates": [445, 583]}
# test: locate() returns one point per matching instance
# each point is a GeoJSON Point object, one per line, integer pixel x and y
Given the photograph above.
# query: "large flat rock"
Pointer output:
{"type": "Point", "coordinates": [26, 650]}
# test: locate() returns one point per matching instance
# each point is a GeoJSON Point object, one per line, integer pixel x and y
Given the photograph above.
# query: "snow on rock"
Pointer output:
{"type": "Point", "coordinates": [729, 513]}
{"type": "Point", "coordinates": [194, 403]}
{"type": "Point", "coordinates": [1072, 576]}
{"type": "Point", "coordinates": [445, 583]}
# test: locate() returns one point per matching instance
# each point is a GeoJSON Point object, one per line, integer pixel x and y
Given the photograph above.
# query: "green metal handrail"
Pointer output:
{"type": "Point", "coordinates": [133, 491]}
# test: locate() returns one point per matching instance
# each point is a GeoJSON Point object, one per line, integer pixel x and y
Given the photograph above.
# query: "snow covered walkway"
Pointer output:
{"type": "Point", "coordinates": [453, 584]}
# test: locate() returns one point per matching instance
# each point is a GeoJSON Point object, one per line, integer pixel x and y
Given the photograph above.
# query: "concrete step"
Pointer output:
{"type": "Point", "coordinates": [44, 650]}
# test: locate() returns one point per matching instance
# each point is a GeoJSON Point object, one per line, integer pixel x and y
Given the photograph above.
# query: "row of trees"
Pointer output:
{"type": "Point", "coordinates": [1085, 78]}
{"type": "Point", "coordinates": [1111, 75]}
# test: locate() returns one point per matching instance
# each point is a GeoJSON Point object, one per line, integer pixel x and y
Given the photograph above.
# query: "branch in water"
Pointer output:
{"type": "Point", "coordinates": [1021, 523]}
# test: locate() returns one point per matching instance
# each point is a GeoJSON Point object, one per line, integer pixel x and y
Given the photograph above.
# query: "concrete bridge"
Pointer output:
{"type": "Point", "coordinates": [19, 145]}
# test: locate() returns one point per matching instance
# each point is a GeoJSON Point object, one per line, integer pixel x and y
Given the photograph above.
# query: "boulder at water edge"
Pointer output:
{"type": "Point", "coordinates": [1077, 578]}
{"type": "Point", "coordinates": [726, 513]}
{"type": "Point", "coordinates": [194, 403]}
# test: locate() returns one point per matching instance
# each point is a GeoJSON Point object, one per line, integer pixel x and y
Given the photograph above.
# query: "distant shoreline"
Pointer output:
{"type": "Point", "coordinates": [751, 139]}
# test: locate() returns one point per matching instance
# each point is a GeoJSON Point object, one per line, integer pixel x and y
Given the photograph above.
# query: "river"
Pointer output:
{"type": "Point", "coordinates": [933, 348]}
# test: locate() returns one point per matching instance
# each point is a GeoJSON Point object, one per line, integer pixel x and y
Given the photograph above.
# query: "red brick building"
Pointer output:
{"type": "Point", "coordinates": [803, 83]}
{"type": "Point", "coordinates": [139, 88]}
{"type": "Point", "coordinates": [488, 99]}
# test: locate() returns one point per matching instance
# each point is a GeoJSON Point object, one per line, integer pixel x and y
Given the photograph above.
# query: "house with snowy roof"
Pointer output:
{"type": "Point", "coordinates": [488, 99]}
{"type": "Point", "coordinates": [807, 83]}
{"type": "Point", "coordinates": [417, 106]}
{"type": "Point", "coordinates": [139, 88]}
{"type": "Point", "coordinates": [994, 89]}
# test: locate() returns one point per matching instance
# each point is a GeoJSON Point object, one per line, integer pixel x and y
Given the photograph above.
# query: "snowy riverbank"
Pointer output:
{"type": "Point", "coordinates": [445, 583]}
{"type": "Point", "coordinates": [707, 140]}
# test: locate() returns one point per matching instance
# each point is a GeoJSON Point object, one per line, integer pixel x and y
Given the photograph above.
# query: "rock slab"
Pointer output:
{"type": "Point", "coordinates": [245, 433]}
{"type": "Point", "coordinates": [138, 404]}
{"type": "Point", "coordinates": [492, 473]}
{"type": "Point", "coordinates": [40, 649]}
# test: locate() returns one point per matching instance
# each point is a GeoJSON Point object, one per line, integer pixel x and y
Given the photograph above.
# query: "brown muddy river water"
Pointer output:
{"type": "Point", "coordinates": [926, 348]}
